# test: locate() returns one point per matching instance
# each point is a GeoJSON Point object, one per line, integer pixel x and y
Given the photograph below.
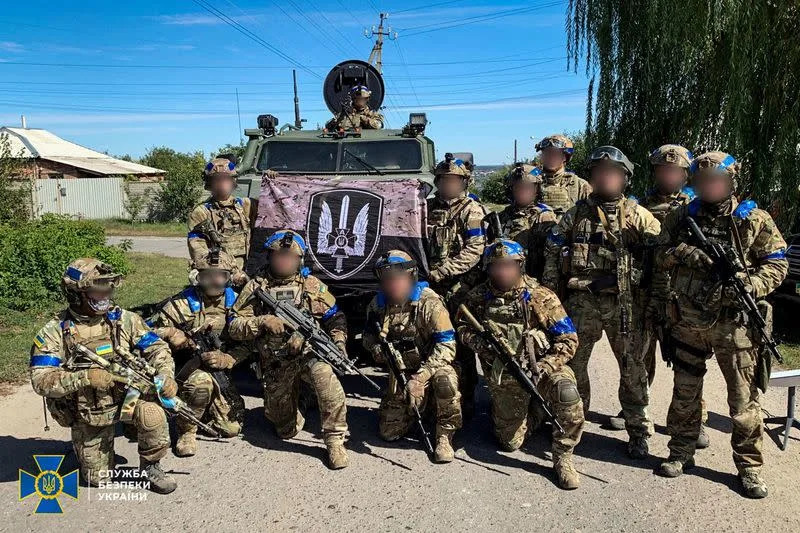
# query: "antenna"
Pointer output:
{"type": "Point", "coordinates": [239, 114]}
{"type": "Point", "coordinates": [376, 55]}
{"type": "Point", "coordinates": [297, 122]}
{"type": "Point", "coordinates": [515, 150]}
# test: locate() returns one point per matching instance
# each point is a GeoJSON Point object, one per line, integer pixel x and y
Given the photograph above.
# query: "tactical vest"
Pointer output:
{"type": "Point", "coordinates": [233, 225]}
{"type": "Point", "coordinates": [272, 346]}
{"type": "Point", "coordinates": [446, 238]}
{"type": "Point", "coordinates": [562, 194]}
{"type": "Point", "coordinates": [202, 314]}
{"type": "Point", "coordinates": [402, 330]}
{"type": "Point", "coordinates": [660, 205]}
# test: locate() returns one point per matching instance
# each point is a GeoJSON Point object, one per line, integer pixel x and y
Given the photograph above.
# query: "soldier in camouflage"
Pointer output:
{"type": "Point", "coordinates": [204, 306]}
{"type": "Point", "coordinates": [594, 257]}
{"type": "Point", "coordinates": [456, 239]}
{"type": "Point", "coordinates": [525, 220]}
{"type": "Point", "coordinates": [223, 217]}
{"type": "Point", "coordinates": [285, 359]}
{"type": "Point", "coordinates": [358, 115]}
{"type": "Point", "coordinates": [88, 400]}
{"type": "Point", "coordinates": [705, 318]}
{"type": "Point", "coordinates": [538, 329]}
{"type": "Point", "coordinates": [407, 313]}
{"type": "Point", "coordinates": [560, 189]}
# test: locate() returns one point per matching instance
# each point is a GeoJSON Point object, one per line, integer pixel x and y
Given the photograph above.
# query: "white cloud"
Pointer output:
{"type": "Point", "coordinates": [199, 19]}
{"type": "Point", "coordinates": [154, 120]}
{"type": "Point", "coordinates": [11, 46]}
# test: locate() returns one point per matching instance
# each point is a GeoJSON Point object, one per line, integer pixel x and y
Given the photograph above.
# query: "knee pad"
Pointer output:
{"type": "Point", "coordinates": [149, 416]}
{"type": "Point", "coordinates": [444, 386]}
{"type": "Point", "coordinates": [567, 392]}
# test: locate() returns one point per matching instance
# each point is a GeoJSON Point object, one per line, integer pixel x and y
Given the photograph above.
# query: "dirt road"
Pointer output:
{"type": "Point", "coordinates": [169, 246]}
{"type": "Point", "coordinates": [259, 481]}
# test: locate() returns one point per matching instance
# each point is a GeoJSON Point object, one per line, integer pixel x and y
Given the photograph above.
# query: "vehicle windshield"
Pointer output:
{"type": "Point", "coordinates": [350, 156]}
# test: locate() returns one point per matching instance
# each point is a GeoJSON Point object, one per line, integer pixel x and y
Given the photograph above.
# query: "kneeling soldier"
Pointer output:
{"type": "Point", "coordinates": [284, 359]}
{"type": "Point", "coordinates": [414, 319]}
{"type": "Point", "coordinates": [90, 400]}
{"type": "Point", "coordinates": [201, 312]}
{"type": "Point", "coordinates": [536, 327]}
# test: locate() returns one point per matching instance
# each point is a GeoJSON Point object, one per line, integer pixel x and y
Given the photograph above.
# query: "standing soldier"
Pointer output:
{"type": "Point", "coordinates": [203, 309]}
{"type": "Point", "coordinates": [705, 317]}
{"type": "Point", "coordinates": [525, 220]}
{"type": "Point", "coordinates": [456, 240]}
{"type": "Point", "coordinates": [537, 329]}
{"type": "Point", "coordinates": [594, 253]}
{"type": "Point", "coordinates": [411, 316]}
{"type": "Point", "coordinates": [89, 400]}
{"type": "Point", "coordinates": [358, 115]}
{"type": "Point", "coordinates": [561, 189]}
{"type": "Point", "coordinates": [223, 221]}
{"type": "Point", "coordinates": [285, 359]}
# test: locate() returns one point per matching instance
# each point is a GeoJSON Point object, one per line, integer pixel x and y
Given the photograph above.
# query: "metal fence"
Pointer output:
{"type": "Point", "coordinates": [93, 198]}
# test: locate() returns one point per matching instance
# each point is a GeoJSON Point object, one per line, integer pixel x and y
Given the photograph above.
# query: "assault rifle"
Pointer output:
{"type": "Point", "coordinates": [726, 265]}
{"type": "Point", "coordinates": [321, 344]}
{"type": "Point", "coordinates": [140, 377]}
{"type": "Point", "coordinates": [396, 366]}
{"type": "Point", "coordinates": [494, 338]}
{"type": "Point", "coordinates": [210, 233]}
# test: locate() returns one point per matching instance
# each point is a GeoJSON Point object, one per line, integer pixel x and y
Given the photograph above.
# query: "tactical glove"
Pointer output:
{"type": "Point", "coordinates": [294, 346]}
{"type": "Point", "coordinates": [100, 379]}
{"type": "Point", "coordinates": [217, 360]}
{"type": "Point", "coordinates": [729, 294]}
{"type": "Point", "coordinates": [272, 324]}
{"type": "Point", "coordinates": [415, 390]}
{"type": "Point", "coordinates": [435, 276]}
{"type": "Point", "coordinates": [169, 387]}
{"type": "Point", "coordinates": [692, 257]}
{"type": "Point", "coordinates": [377, 354]}
{"type": "Point", "coordinates": [177, 339]}
{"type": "Point", "coordinates": [342, 348]}
{"type": "Point", "coordinates": [546, 367]}
{"type": "Point", "coordinates": [239, 278]}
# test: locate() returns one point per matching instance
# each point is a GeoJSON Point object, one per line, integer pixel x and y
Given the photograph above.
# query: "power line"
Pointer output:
{"type": "Point", "coordinates": [319, 28]}
{"type": "Point", "coordinates": [410, 79]}
{"type": "Point", "coordinates": [192, 67]}
{"type": "Point", "coordinates": [478, 18]}
{"type": "Point", "coordinates": [426, 6]}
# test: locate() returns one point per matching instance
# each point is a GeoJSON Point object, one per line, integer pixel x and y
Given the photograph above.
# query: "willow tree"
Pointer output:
{"type": "Point", "coordinates": [713, 74]}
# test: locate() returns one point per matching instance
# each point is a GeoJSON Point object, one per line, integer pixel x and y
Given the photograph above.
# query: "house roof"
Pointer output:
{"type": "Point", "coordinates": [38, 143]}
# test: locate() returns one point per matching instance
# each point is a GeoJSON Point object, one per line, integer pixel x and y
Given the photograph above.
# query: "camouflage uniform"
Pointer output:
{"type": "Point", "coordinates": [561, 189]}
{"type": "Point", "coordinates": [91, 413]}
{"type": "Point", "coordinates": [282, 372]}
{"type": "Point", "coordinates": [528, 225]}
{"type": "Point", "coordinates": [422, 331]}
{"type": "Point", "coordinates": [582, 258]}
{"type": "Point", "coordinates": [364, 119]}
{"type": "Point", "coordinates": [191, 310]}
{"type": "Point", "coordinates": [706, 322]}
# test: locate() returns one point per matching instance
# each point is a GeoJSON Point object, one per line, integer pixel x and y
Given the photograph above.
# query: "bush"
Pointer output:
{"type": "Point", "coordinates": [493, 188]}
{"type": "Point", "coordinates": [34, 255]}
{"type": "Point", "coordinates": [182, 188]}
{"type": "Point", "coordinates": [15, 194]}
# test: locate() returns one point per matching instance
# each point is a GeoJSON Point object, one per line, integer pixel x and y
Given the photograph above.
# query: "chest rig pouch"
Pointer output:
{"type": "Point", "coordinates": [273, 348]}
{"type": "Point", "coordinates": [402, 332]}
{"type": "Point", "coordinates": [232, 224]}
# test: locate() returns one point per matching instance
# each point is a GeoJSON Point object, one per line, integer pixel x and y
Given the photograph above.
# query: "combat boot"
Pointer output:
{"type": "Point", "coordinates": [337, 455]}
{"type": "Point", "coordinates": [568, 477]}
{"type": "Point", "coordinates": [444, 448]}
{"type": "Point", "coordinates": [638, 448]}
{"type": "Point", "coordinates": [187, 442]}
{"type": "Point", "coordinates": [754, 487]}
{"type": "Point", "coordinates": [159, 481]}
{"type": "Point", "coordinates": [674, 466]}
{"type": "Point", "coordinates": [702, 440]}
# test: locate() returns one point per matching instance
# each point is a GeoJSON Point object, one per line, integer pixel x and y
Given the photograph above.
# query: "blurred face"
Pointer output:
{"type": "Point", "coordinates": [713, 187]}
{"type": "Point", "coordinates": [553, 158]}
{"type": "Point", "coordinates": [608, 180]}
{"type": "Point", "coordinates": [96, 301]}
{"type": "Point", "coordinates": [284, 263]}
{"type": "Point", "coordinates": [524, 193]}
{"type": "Point", "coordinates": [397, 287]}
{"type": "Point", "coordinates": [360, 102]}
{"type": "Point", "coordinates": [221, 187]}
{"type": "Point", "coordinates": [213, 282]}
{"type": "Point", "coordinates": [669, 178]}
{"type": "Point", "coordinates": [505, 274]}
{"type": "Point", "coordinates": [451, 186]}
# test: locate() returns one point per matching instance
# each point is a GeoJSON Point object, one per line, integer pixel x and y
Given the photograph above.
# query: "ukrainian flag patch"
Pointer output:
{"type": "Point", "coordinates": [104, 349]}
{"type": "Point", "coordinates": [38, 341]}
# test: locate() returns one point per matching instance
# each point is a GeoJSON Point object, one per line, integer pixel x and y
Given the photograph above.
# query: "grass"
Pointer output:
{"type": "Point", "coordinates": [120, 227]}
{"type": "Point", "coordinates": [154, 278]}
{"type": "Point", "coordinates": [791, 355]}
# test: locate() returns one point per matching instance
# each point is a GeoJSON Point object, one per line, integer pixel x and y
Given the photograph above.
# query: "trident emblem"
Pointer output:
{"type": "Point", "coordinates": [341, 242]}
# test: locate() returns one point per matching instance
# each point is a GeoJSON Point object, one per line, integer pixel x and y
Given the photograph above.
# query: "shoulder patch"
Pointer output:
{"type": "Point", "coordinates": [239, 201]}
{"type": "Point", "coordinates": [744, 209]}
{"type": "Point", "coordinates": [689, 192]}
{"type": "Point", "coordinates": [190, 293]}
{"type": "Point", "coordinates": [230, 297]}
{"type": "Point", "coordinates": [543, 207]}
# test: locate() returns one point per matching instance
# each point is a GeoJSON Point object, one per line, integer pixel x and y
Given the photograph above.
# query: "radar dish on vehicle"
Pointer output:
{"type": "Point", "coordinates": [347, 75]}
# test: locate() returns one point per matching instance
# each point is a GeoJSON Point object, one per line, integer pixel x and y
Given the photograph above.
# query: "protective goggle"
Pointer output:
{"type": "Point", "coordinates": [553, 143]}
{"type": "Point", "coordinates": [390, 265]}
{"type": "Point", "coordinates": [608, 152]}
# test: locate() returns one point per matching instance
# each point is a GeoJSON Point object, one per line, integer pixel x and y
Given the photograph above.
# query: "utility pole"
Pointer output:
{"type": "Point", "coordinates": [376, 56]}
{"type": "Point", "coordinates": [239, 115]}
{"type": "Point", "coordinates": [515, 150]}
{"type": "Point", "coordinates": [297, 122]}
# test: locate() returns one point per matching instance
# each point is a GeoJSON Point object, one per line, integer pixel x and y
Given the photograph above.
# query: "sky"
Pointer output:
{"type": "Point", "coordinates": [123, 77]}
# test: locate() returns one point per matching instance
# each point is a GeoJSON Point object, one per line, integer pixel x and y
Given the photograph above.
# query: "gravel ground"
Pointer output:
{"type": "Point", "coordinates": [259, 481]}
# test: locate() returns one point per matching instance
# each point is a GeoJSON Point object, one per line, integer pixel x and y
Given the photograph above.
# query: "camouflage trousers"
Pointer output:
{"type": "Point", "coordinates": [592, 314]}
{"type": "Point", "coordinates": [282, 395]}
{"type": "Point", "coordinates": [736, 355]}
{"type": "Point", "coordinates": [441, 396]}
{"type": "Point", "coordinates": [202, 394]}
{"type": "Point", "coordinates": [94, 445]}
{"type": "Point", "coordinates": [512, 408]}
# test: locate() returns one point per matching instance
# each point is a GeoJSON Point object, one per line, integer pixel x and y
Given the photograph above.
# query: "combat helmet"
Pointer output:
{"type": "Point", "coordinates": [286, 238]}
{"type": "Point", "coordinates": [671, 154]}
{"type": "Point", "coordinates": [361, 91]}
{"type": "Point", "coordinates": [85, 274]}
{"type": "Point", "coordinates": [613, 155]}
{"type": "Point", "coordinates": [717, 162]}
{"type": "Point", "coordinates": [214, 261]}
{"type": "Point", "coordinates": [562, 142]}
{"type": "Point", "coordinates": [395, 261]}
{"type": "Point", "coordinates": [523, 173]}
{"type": "Point", "coordinates": [453, 166]}
{"type": "Point", "coordinates": [219, 166]}
{"type": "Point", "coordinates": [503, 249]}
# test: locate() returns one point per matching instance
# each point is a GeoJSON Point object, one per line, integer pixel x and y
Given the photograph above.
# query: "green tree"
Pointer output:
{"type": "Point", "coordinates": [705, 74]}
{"type": "Point", "coordinates": [15, 194]}
{"type": "Point", "coordinates": [182, 187]}
{"type": "Point", "coordinates": [236, 149]}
